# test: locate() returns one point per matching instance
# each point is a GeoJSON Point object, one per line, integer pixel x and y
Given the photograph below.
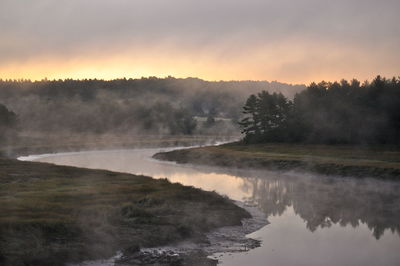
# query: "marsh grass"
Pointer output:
{"type": "Point", "coordinates": [51, 214]}
{"type": "Point", "coordinates": [360, 161]}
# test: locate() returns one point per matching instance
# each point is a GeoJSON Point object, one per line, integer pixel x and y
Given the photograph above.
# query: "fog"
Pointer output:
{"type": "Point", "coordinates": [65, 111]}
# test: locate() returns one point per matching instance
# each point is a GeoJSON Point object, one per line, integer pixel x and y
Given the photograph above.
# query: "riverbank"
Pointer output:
{"type": "Point", "coordinates": [50, 215]}
{"type": "Point", "coordinates": [356, 161]}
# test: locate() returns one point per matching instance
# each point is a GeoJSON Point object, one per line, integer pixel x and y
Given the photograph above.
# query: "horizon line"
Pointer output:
{"type": "Point", "coordinates": [45, 79]}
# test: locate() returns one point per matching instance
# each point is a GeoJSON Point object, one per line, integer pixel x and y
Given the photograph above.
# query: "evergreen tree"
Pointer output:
{"type": "Point", "coordinates": [266, 117]}
{"type": "Point", "coordinates": [250, 123]}
{"type": "Point", "coordinates": [273, 112]}
{"type": "Point", "coordinates": [328, 113]}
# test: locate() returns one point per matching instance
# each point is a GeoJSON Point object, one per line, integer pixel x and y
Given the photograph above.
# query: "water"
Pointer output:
{"type": "Point", "coordinates": [314, 220]}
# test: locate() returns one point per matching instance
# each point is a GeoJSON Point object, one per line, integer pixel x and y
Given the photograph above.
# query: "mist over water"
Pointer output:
{"type": "Point", "coordinates": [314, 220]}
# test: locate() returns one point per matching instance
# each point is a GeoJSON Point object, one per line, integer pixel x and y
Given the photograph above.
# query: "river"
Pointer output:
{"type": "Point", "coordinates": [313, 220]}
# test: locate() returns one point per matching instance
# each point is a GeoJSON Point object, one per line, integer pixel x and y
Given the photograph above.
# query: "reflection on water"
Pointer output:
{"type": "Point", "coordinates": [322, 201]}
{"type": "Point", "coordinates": [314, 220]}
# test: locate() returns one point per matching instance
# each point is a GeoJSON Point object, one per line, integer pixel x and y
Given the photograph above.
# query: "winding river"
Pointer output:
{"type": "Point", "coordinates": [314, 220]}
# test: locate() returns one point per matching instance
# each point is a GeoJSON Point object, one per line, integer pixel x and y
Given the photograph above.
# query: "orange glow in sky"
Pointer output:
{"type": "Point", "coordinates": [286, 63]}
{"type": "Point", "coordinates": [288, 41]}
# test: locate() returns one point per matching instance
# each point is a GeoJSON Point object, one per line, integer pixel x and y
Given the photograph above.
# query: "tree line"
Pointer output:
{"type": "Point", "coordinates": [170, 106]}
{"type": "Point", "coordinates": [327, 113]}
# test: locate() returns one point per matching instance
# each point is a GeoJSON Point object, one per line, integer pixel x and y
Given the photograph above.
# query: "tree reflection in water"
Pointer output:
{"type": "Point", "coordinates": [322, 201]}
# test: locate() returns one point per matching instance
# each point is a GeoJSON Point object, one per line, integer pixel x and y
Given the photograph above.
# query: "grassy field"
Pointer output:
{"type": "Point", "coordinates": [51, 214]}
{"type": "Point", "coordinates": [381, 162]}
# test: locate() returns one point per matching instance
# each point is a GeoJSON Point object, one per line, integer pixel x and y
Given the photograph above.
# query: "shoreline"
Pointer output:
{"type": "Point", "coordinates": [303, 158]}
{"type": "Point", "coordinates": [226, 239]}
{"type": "Point", "coordinates": [42, 146]}
{"type": "Point", "coordinates": [236, 214]}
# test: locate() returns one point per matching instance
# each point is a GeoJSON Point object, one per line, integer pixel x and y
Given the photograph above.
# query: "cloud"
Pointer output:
{"type": "Point", "coordinates": [219, 32]}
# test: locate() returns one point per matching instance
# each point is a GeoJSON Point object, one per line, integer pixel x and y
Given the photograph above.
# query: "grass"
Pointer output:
{"type": "Point", "coordinates": [375, 161]}
{"type": "Point", "coordinates": [50, 215]}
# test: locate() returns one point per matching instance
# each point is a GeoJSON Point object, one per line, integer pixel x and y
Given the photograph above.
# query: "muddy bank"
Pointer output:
{"type": "Point", "coordinates": [327, 160]}
{"type": "Point", "coordinates": [228, 239]}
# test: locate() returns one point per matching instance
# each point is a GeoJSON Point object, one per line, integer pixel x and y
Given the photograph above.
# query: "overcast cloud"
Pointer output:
{"type": "Point", "coordinates": [31, 29]}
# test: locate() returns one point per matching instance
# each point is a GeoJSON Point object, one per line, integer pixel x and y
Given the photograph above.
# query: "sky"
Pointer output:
{"type": "Point", "coordinates": [297, 41]}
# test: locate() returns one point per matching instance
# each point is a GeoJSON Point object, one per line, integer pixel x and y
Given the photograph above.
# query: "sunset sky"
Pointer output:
{"type": "Point", "coordinates": [295, 41]}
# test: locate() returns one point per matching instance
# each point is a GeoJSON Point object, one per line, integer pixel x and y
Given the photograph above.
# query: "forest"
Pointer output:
{"type": "Point", "coordinates": [345, 112]}
{"type": "Point", "coordinates": [158, 106]}
{"type": "Point", "coordinates": [327, 113]}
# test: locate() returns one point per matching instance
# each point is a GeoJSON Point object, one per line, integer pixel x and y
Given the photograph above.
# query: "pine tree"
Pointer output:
{"type": "Point", "coordinates": [250, 122]}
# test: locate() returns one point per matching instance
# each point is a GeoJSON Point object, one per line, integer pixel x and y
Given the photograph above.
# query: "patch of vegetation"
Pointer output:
{"type": "Point", "coordinates": [50, 215]}
{"type": "Point", "coordinates": [345, 160]}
